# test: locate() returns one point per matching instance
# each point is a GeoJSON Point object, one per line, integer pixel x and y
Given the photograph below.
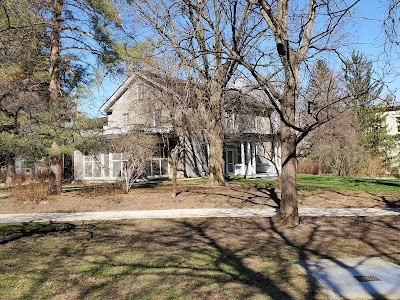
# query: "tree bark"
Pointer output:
{"type": "Point", "coordinates": [288, 212]}
{"type": "Point", "coordinates": [216, 137]}
{"type": "Point", "coordinates": [10, 176]}
{"type": "Point", "coordinates": [216, 176]}
{"type": "Point", "coordinates": [174, 161]}
{"type": "Point", "coordinates": [55, 172]}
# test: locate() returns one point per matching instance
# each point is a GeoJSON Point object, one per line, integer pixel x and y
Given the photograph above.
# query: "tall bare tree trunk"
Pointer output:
{"type": "Point", "coordinates": [216, 138]}
{"type": "Point", "coordinates": [216, 176]}
{"type": "Point", "coordinates": [289, 212]}
{"type": "Point", "coordinates": [174, 161]}
{"type": "Point", "coordinates": [55, 172]}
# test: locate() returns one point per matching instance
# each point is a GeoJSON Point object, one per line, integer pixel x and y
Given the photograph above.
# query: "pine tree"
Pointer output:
{"type": "Point", "coordinates": [367, 112]}
{"type": "Point", "coordinates": [78, 31]}
{"type": "Point", "coordinates": [23, 80]}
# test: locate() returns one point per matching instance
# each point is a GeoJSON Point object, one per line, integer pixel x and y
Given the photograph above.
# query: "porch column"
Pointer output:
{"type": "Point", "coordinates": [111, 165]}
{"type": "Point", "coordinates": [242, 159]}
{"type": "Point", "coordinates": [253, 159]}
{"type": "Point", "coordinates": [160, 164]}
{"type": "Point", "coordinates": [248, 158]}
{"type": "Point", "coordinates": [278, 156]}
{"type": "Point", "coordinates": [208, 157]}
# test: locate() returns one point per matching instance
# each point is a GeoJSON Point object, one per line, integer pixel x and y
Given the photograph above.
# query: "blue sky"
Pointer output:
{"type": "Point", "coordinates": [371, 41]}
{"type": "Point", "coordinates": [366, 35]}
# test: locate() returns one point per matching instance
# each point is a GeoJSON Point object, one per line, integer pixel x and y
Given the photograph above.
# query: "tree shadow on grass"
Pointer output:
{"type": "Point", "coordinates": [232, 194]}
{"type": "Point", "coordinates": [239, 271]}
{"type": "Point", "coordinates": [378, 182]}
{"type": "Point", "coordinates": [228, 258]}
{"type": "Point", "coordinates": [25, 230]}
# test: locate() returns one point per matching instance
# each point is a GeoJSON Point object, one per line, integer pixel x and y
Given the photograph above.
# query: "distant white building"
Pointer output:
{"type": "Point", "coordinates": [392, 123]}
{"type": "Point", "coordinates": [392, 118]}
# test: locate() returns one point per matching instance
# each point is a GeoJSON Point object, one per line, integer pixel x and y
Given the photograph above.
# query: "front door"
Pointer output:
{"type": "Point", "coordinates": [229, 162]}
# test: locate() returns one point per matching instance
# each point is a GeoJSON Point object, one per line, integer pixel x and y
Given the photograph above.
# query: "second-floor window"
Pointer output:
{"type": "Point", "coordinates": [125, 119]}
{"type": "Point", "coordinates": [139, 91]}
{"type": "Point", "coordinates": [157, 117]}
{"type": "Point", "coordinates": [230, 120]}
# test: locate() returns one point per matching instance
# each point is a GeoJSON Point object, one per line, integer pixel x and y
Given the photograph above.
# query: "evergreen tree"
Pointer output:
{"type": "Point", "coordinates": [322, 89]}
{"type": "Point", "coordinates": [78, 31]}
{"type": "Point", "coordinates": [368, 114]}
{"type": "Point", "coordinates": [23, 83]}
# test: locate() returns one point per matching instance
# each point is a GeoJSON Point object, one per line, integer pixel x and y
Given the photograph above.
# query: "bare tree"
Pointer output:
{"type": "Point", "coordinates": [196, 33]}
{"type": "Point", "coordinates": [337, 146]}
{"type": "Point", "coordinates": [181, 119]}
{"type": "Point", "coordinates": [136, 149]}
{"type": "Point", "coordinates": [180, 113]}
{"type": "Point", "coordinates": [295, 34]}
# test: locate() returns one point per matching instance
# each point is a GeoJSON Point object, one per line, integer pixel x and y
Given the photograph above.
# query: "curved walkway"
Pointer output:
{"type": "Point", "coordinates": [192, 213]}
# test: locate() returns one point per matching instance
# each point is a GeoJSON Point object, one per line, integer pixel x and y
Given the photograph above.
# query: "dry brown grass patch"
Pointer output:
{"type": "Point", "coordinates": [34, 192]}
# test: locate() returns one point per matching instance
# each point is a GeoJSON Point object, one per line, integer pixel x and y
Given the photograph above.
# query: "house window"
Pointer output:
{"type": "Point", "coordinates": [157, 117]}
{"type": "Point", "coordinates": [125, 118]}
{"type": "Point", "coordinates": [118, 165]}
{"type": "Point", "coordinates": [230, 120]}
{"type": "Point", "coordinates": [139, 91]}
{"type": "Point", "coordinates": [92, 166]}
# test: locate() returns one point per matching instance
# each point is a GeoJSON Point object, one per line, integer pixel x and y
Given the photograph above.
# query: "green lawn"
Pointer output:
{"type": "Point", "coordinates": [222, 258]}
{"type": "Point", "coordinates": [333, 183]}
{"type": "Point", "coordinates": [349, 183]}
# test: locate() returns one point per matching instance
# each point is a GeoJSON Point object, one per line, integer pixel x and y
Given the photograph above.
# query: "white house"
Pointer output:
{"type": "Point", "coordinates": [143, 102]}
{"type": "Point", "coordinates": [392, 118]}
{"type": "Point", "coordinates": [392, 124]}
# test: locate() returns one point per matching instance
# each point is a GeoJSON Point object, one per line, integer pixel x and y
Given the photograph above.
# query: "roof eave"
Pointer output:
{"type": "Point", "coordinates": [117, 94]}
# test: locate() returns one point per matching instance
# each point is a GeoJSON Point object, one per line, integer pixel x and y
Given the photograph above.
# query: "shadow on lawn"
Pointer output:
{"type": "Point", "coordinates": [239, 195]}
{"type": "Point", "coordinates": [229, 258]}
{"type": "Point", "coordinates": [25, 230]}
{"type": "Point", "coordinates": [377, 182]}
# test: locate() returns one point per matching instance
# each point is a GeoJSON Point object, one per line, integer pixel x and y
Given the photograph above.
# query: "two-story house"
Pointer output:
{"type": "Point", "coordinates": [153, 104]}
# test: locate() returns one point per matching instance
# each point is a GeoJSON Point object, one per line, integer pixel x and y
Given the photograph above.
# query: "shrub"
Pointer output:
{"type": "Point", "coordinates": [34, 192]}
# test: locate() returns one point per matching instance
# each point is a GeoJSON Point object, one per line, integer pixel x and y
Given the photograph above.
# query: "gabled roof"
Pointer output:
{"type": "Point", "coordinates": [235, 98]}
{"type": "Point", "coordinates": [149, 77]}
{"type": "Point", "coordinates": [117, 94]}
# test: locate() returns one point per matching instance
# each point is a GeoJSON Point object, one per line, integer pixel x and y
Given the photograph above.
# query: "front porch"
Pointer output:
{"type": "Point", "coordinates": [251, 159]}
